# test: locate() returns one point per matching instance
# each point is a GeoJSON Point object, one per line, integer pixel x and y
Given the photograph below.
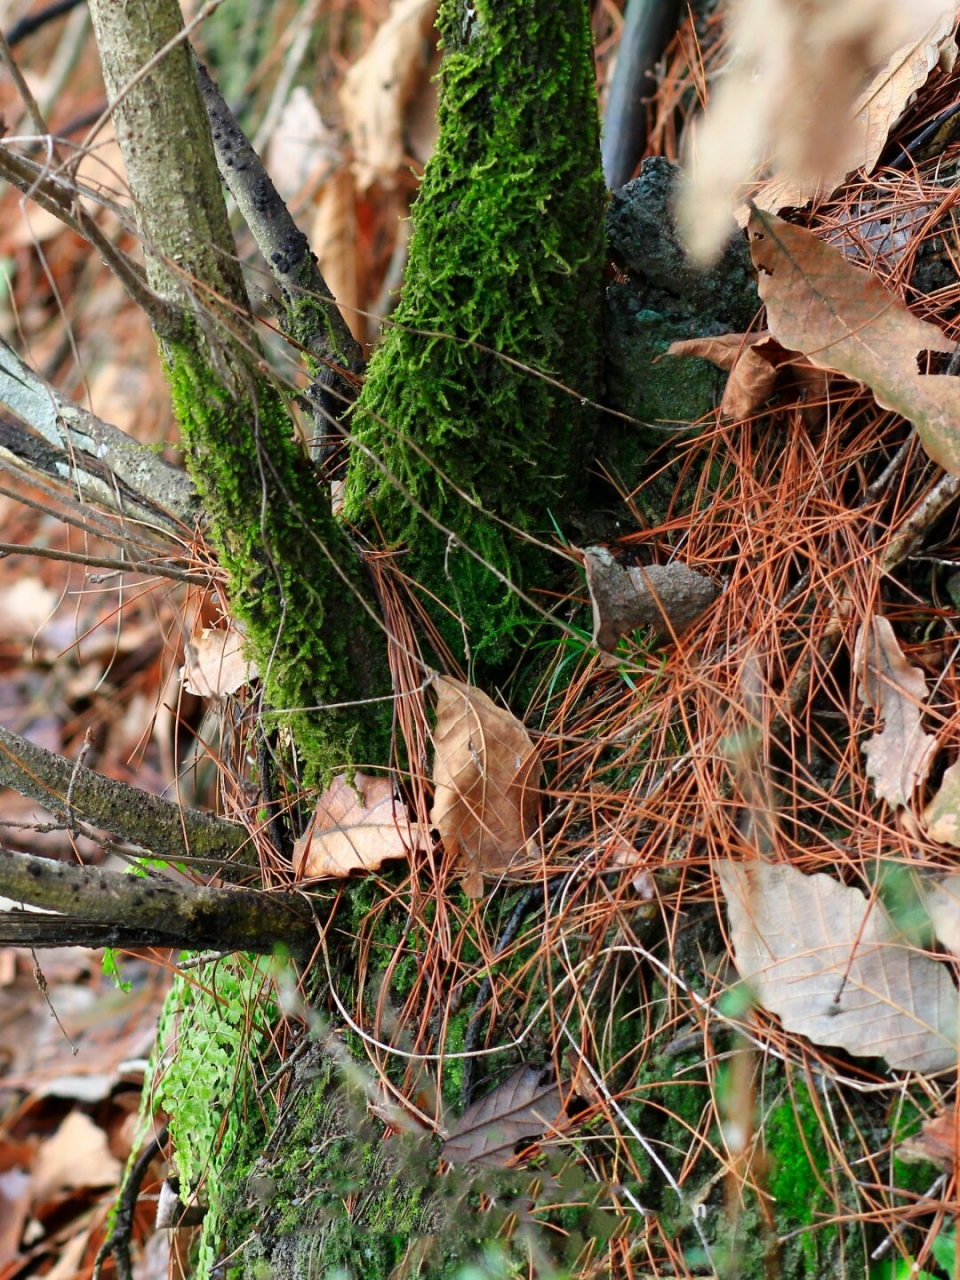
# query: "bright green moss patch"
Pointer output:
{"type": "Point", "coordinates": [286, 560]}
{"type": "Point", "coordinates": [799, 1168]}
{"type": "Point", "coordinates": [505, 260]}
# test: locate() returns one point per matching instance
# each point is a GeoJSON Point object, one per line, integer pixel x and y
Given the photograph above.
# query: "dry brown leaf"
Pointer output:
{"type": "Point", "coordinates": [942, 901]}
{"type": "Point", "coordinates": [378, 87]}
{"type": "Point", "coordinates": [486, 775]}
{"type": "Point", "coordinates": [843, 319]}
{"type": "Point", "coordinates": [938, 1141]}
{"type": "Point", "coordinates": [833, 967]}
{"type": "Point", "coordinates": [618, 854]}
{"type": "Point", "coordinates": [758, 365]}
{"type": "Point", "coordinates": [873, 115]}
{"type": "Point", "coordinates": [355, 828]}
{"type": "Point", "coordinates": [78, 1155]}
{"type": "Point", "coordinates": [491, 1128]}
{"type": "Point", "coordinates": [899, 757]}
{"type": "Point", "coordinates": [669, 598]}
{"type": "Point", "coordinates": [334, 238]}
{"type": "Point", "coordinates": [753, 376]}
{"type": "Point", "coordinates": [216, 665]}
{"type": "Point", "coordinates": [942, 814]}
{"type": "Point", "coordinates": [795, 72]}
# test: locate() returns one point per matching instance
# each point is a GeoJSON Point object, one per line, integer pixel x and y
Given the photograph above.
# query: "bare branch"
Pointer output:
{"type": "Point", "coordinates": [98, 459]}
{"type": "Point", "coordinates": [151, 911]}
{"type": "Point", "coordinates": [312, 317]}
{"type": "Point", "coordinates": [153, 568]}
{"type": "Point", "coordinates": [145, 820]}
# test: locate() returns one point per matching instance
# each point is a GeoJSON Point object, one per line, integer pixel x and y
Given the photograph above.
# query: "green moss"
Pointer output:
{"type": "Point", "coordinates": [213, 1025]}
{"type": "Point", "coordinates": [291, 572]}
{"type": "Point", "coordinates": [505, 261]}
{"type": "Point", "coordinates": [799, 1171]}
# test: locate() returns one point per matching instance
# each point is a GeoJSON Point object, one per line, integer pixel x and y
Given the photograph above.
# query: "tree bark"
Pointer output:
{"type": "Point", "coordinates": [160, 826]}
{"type": "Point", "coordinates": [294, 580]}
{"type": "Point", "coordinates": [147, 911]}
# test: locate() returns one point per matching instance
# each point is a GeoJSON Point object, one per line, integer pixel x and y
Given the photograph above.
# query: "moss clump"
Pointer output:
{"type": "Point", "coordinates": [286, 560]}
{"type": "Point", "coordinates": [505, 261]}
{"type": "Point", "coordinates": [799, 1176]}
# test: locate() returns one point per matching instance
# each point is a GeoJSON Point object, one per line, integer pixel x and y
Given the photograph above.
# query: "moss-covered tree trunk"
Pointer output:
{"type": "Point", "coordinates": [471, 443]}
{"type": "Point", "coordinates": [475, 426]}
{"type": "Point", "coordinates": [293, 579]}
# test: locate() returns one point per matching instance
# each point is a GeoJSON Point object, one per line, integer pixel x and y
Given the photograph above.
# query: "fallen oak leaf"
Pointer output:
{"type": "Point", "coordinates": [942, 815]}
{"type": "Point", "coordinates": [486, 776]}
{"type": "Point", "coordinates": [518, 1109]}
{"type": "Point", "coordinates": [794, 72]}
{"type": "Point", "coordinates": [938, 1141]}
{"type": "Point", "coordinates": [832, 965]}
{"type": "Point", "coordinates": [941, 898]}
{"type": "Point", "coordinates": [899, 757]}
{"type": "Point", "coordinates": [216, 664]}
{"type": "Point", "coordinates": [355, 828]}
{"type": "Point", "coordinates": [874, 113]}
{"type": "Point", "coordinates": [845, 320]}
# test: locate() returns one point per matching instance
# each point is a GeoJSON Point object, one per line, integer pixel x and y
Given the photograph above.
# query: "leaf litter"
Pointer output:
{"type": "Point", "coordinates": [792, 99]}
{"type": "Point", "coordinates": [486, 778]}
{"type": "Point", "coordinates": [832, 965]}
{"type": "Point", "coordinates": [669, 598]}
{"type": "Point", "coordinates": [758, 366]}
{"type": "Point", "coordinates": [358, 824]}
{"type": "Point", "coordinates": [527, 1105]}
{"type": "Point", "coordinates": [899, 756]}
{"type": "Point", "coordinates": [844, 320]}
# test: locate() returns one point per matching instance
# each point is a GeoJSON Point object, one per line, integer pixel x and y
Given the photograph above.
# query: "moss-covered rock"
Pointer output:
{"type": "Point", "coordinates": [461, 416]}
{"type": "Point", "coordinates": [659, 298]}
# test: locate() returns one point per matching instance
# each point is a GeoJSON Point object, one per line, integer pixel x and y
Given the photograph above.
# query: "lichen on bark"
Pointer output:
{"type": "Point", "coordinates": [503, 285]}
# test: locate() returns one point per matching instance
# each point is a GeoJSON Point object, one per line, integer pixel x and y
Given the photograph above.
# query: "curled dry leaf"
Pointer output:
{"type": "Point", "coordinates": [794, 76]}
{"type": "Point", "coordinates": [845, 320]}
{"type": "Point", "coordinates": [942, 901]}
{"type": "Point", "coordinates": [486, 775]}
{"type": "Point", "coordinates": [379, 86]}
{"type": "Point", "coordinates": [899, 757]}
{"type": "Point", "coordinates": [216, 665]}
{"type": "Point", "coordinates": [521, 1108]}
{"type": "Point", "coordinates": [355, 828]}
{"type": "Point", "coordinates": [758, 366]}
{"type": "Point", "coordinates": [833, 967]}
{"type": "Point", "coordinates": [938, 1141]}
{"type": "Point", "coordinates": [669, 598]}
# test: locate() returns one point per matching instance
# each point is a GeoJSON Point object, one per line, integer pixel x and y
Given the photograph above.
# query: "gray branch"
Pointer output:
{"type": "Point", "coordinates": [137, 911]}
{"type": "Point", "coordinates": [98, 459]}
{"type": "Point", "coordinates": [312, 317]}
{"type": "Point", "coordinates": [141, 819]}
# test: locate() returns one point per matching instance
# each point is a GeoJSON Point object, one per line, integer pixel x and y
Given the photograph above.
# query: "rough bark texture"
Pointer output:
{"type": "Point", "coordinates": [156, 910]}
{"type": "Point", "coordinates": [505, 266]}
{"type": "Point", "coordinates": [162, 827]}
{"type": "Point", "coordinates": [286, 558]}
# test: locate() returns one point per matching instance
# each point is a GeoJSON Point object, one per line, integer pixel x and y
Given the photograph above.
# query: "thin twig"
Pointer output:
{"type": "Point", "coordinates": [117, 1242]}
